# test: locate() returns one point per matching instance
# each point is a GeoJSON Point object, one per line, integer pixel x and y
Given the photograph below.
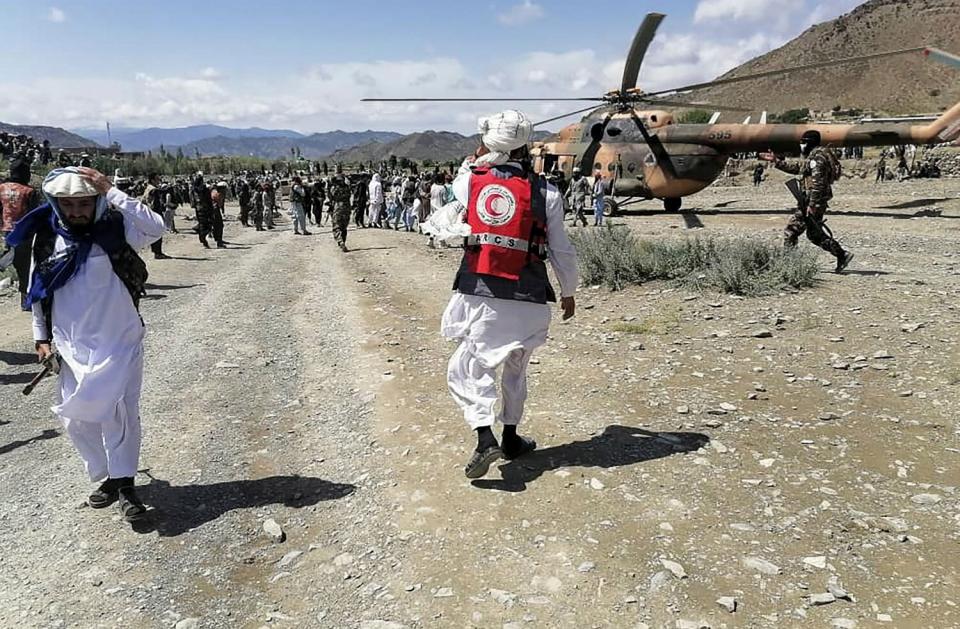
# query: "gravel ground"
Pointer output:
{"type": "Point", "coordinates": [793, 458]}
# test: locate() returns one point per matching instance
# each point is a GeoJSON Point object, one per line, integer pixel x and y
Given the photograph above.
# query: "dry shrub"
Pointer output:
{"type": "Point", "coordinates": [615, 257]}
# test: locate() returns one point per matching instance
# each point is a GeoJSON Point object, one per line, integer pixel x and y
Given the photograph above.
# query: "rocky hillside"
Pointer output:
{"type": "Point", "coordinates": [58, 137]}
{"type": "Point", "coordinates": [898, 85]}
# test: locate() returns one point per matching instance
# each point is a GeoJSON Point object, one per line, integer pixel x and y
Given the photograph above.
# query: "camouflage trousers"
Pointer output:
{"type": "Point", "coordinates": [811, 223]}
{"type": "Point", "coordinates": [341, 220]}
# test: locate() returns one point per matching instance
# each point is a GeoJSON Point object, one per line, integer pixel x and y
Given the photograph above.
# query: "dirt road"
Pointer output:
{"type": "Point", "coordinates": [798, 455]}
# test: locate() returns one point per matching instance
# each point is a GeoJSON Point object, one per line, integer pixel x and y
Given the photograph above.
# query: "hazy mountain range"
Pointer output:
{"type": "Point", "coordinates": [133, 139]}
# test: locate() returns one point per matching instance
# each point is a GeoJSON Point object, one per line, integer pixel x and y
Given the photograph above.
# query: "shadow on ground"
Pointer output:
{"type": "Point", "coordinates": [16, 378]}
{"type": "Point", "coordinates": [616, 446]}
{"type": "Point", "coordinates": [176, 510]}
{"type": "Point", "coordinates": [13, 445]}
{"type": "Point", "coordinates": [18, 358]}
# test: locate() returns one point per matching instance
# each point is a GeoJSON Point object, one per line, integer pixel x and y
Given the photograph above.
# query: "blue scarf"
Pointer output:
{"type": "Point", "coordinates": [49, 275]}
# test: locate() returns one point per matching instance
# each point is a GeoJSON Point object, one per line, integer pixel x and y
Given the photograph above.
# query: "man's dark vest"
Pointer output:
{"type": "Point", "coordinates": [532, 285]}
{"type": "Point", "coordinates": [126, 262]}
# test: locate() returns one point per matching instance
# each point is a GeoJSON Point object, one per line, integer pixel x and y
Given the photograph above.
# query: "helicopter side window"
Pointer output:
{"type": "Point", "coordinates": [614, 131]}
{"type": "Point", "coordinates": [598, 166]}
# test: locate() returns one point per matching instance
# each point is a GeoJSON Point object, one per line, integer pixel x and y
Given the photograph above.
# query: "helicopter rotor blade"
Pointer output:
{"type": "Point", "coordinates": [473, 100]}
{"type": "Point", "coordinates": [572, 113]}
{"type": "Point", "coordinates": [809, 66]}
{"type": "Point", "coordinates": [638, 50]}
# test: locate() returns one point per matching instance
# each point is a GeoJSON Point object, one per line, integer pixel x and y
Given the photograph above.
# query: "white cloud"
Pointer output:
{"type": "Point", "coordinates": [56, 15]}
{"type": "Point", "coordinates": [327, 96]}
{"type": "Point", "coordinates": [747, 10]}
{"type": "Point", "coordinates": [523, 13]}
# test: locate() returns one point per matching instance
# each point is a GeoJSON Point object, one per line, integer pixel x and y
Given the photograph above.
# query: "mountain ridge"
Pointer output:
{"type": "Point", "coordinates": [895, 85]}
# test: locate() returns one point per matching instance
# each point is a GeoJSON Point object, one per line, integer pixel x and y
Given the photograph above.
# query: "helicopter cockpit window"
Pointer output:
{"type": "Point", "coordinates": [632, 166]}
{"type": "Point", "coordinates": [614, 131]}
{"type": "Point", "coordinates": [653, 118]}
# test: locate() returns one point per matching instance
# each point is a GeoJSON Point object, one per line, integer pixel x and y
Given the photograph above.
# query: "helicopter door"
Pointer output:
{"type": "Point", "coordinates": [549, 163]}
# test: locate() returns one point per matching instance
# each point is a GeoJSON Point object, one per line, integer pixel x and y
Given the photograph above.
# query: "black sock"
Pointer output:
{"type": "Point", "coordinates": [485, 438]}
{"type": "Point", "coordinates": [509, 432]}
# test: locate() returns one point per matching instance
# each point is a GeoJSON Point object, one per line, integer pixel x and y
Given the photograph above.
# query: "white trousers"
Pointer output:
{"type": "Point", "coordinates": [110, 448]}
{"type": "Point", "coordinates": [473, 386]}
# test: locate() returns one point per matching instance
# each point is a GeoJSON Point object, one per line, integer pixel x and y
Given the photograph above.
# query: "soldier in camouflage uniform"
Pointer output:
{"type": "Point", "coordinates": [818, 169]}
{"type": "Point", "coordinates": [338, 192]}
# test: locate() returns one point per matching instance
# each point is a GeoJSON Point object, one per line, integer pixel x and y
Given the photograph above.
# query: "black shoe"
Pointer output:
{"type": "Point", "coordinates": [343, 248]}
{"type": "Point", "coordinates": [105, 495]}
{"type": "Point", "coordinates": [843, 261]}
{"type": "Point", "coordinates": [161, 256]}
{"type": "Point", "coordinates": [206, 245]}
{"type": "Point", "coordinates": [221, 245]}
{"type": "Point", "coordinates": [516, 448]}
{"type": "Point", "coordinates": [296, 233]}
{"type": "Point", "coordinates": [480, 462]}
{"type": "Point", "coordinates": [130, 506]}
{"type": "Point", "coordinates": [306, 233]}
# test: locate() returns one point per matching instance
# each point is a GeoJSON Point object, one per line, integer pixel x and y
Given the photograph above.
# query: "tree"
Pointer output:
{"type": "Point", "coordinates": [179, 153]}
{"type": "Point", "coordinates": [695, 116]}
{"type": "Point", "coordinates": [325, 168]}
{"type": "Point", "coordinates": [392, 161]}
{"type": "Point", "coordinates": [793, 116]}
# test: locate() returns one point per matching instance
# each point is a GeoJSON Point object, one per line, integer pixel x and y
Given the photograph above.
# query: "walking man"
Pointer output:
{"type": "Point", "coordinates": [599, 190]}
{"type": "Point", "coordinates": [375, 193]}
{"type": "Point", "coordinates": [579, 192]}
{"type": "Point", "coordinates": [338, 191]}
{"type": "Point", "coordinates": [818, 169]}
{"type": "Point", "coordinates": [84, 293]}
{"type": "Point", "coordinates": [17, 198]}
{"type": "Point", "coordinates": [319, 194]}
{"type": "Point", "coordinates": [297, 194]}
{"type": "Point", "coordinates": [499, 312]}
{"type": "Point", "coordinates": [152, 197]}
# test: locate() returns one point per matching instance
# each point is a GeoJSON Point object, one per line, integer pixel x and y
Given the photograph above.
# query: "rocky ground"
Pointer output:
{"type": "Point", "coordinates": [705, 460]}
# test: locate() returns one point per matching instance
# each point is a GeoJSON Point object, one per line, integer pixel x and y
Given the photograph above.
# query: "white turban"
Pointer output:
{"type": "Point", "coordinates": [68, 183]}
{"type": "Point", "coordinates": [502, 133]}
{"type": "Point", "coordinates": [506, 131]}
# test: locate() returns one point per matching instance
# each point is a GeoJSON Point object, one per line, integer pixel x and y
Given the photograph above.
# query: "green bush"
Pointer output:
{"type": "Point", "coordinates": [616, 258]}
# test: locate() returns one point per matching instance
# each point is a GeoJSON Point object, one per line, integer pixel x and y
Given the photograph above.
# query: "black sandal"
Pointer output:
{"type": "Point", "coordinates": [523, 445]}
{"type": "Point", "coordinates": [130, 506]}
{"type": "Point", "coordinates": [105, 495]}
{"type": "Point", "coordinates": [480, 462]}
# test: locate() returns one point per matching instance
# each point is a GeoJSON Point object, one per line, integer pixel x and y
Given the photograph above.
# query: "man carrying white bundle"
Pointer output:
{"type": "Point", "coordinates": [500, 312]}
{"type": "Point", "coordinates": [85, 288]}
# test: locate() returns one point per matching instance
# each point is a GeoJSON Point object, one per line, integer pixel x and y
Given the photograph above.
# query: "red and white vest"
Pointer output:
{"type": "Point", "coordinates": [505, 233]}
{"type": "Point", "coordinates": [14, 199]}
{"type": "Point", "coordinates": [505, 252]}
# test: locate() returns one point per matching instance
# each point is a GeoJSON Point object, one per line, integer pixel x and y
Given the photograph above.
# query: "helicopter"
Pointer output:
{"type": "Point", "coordinates": [647, 154]}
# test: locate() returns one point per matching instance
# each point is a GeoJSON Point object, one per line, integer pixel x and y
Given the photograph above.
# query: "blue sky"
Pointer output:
{"type": "Point", "coordinates": [305, 65]}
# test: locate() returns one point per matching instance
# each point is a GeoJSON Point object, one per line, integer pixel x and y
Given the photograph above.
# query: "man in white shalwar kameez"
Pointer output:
{"type": "Point", "coordinates": [500, 311]}
{"type": "Point", "coordinates": [375, 201]}
{"type": "Point", "coordinates": [87, 309]}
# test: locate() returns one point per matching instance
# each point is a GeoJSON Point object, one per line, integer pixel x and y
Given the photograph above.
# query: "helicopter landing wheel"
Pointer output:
{"type": "Point", "coordinates": [673, 204]}
{"type": "Point", "coordinates": [611, 207]}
